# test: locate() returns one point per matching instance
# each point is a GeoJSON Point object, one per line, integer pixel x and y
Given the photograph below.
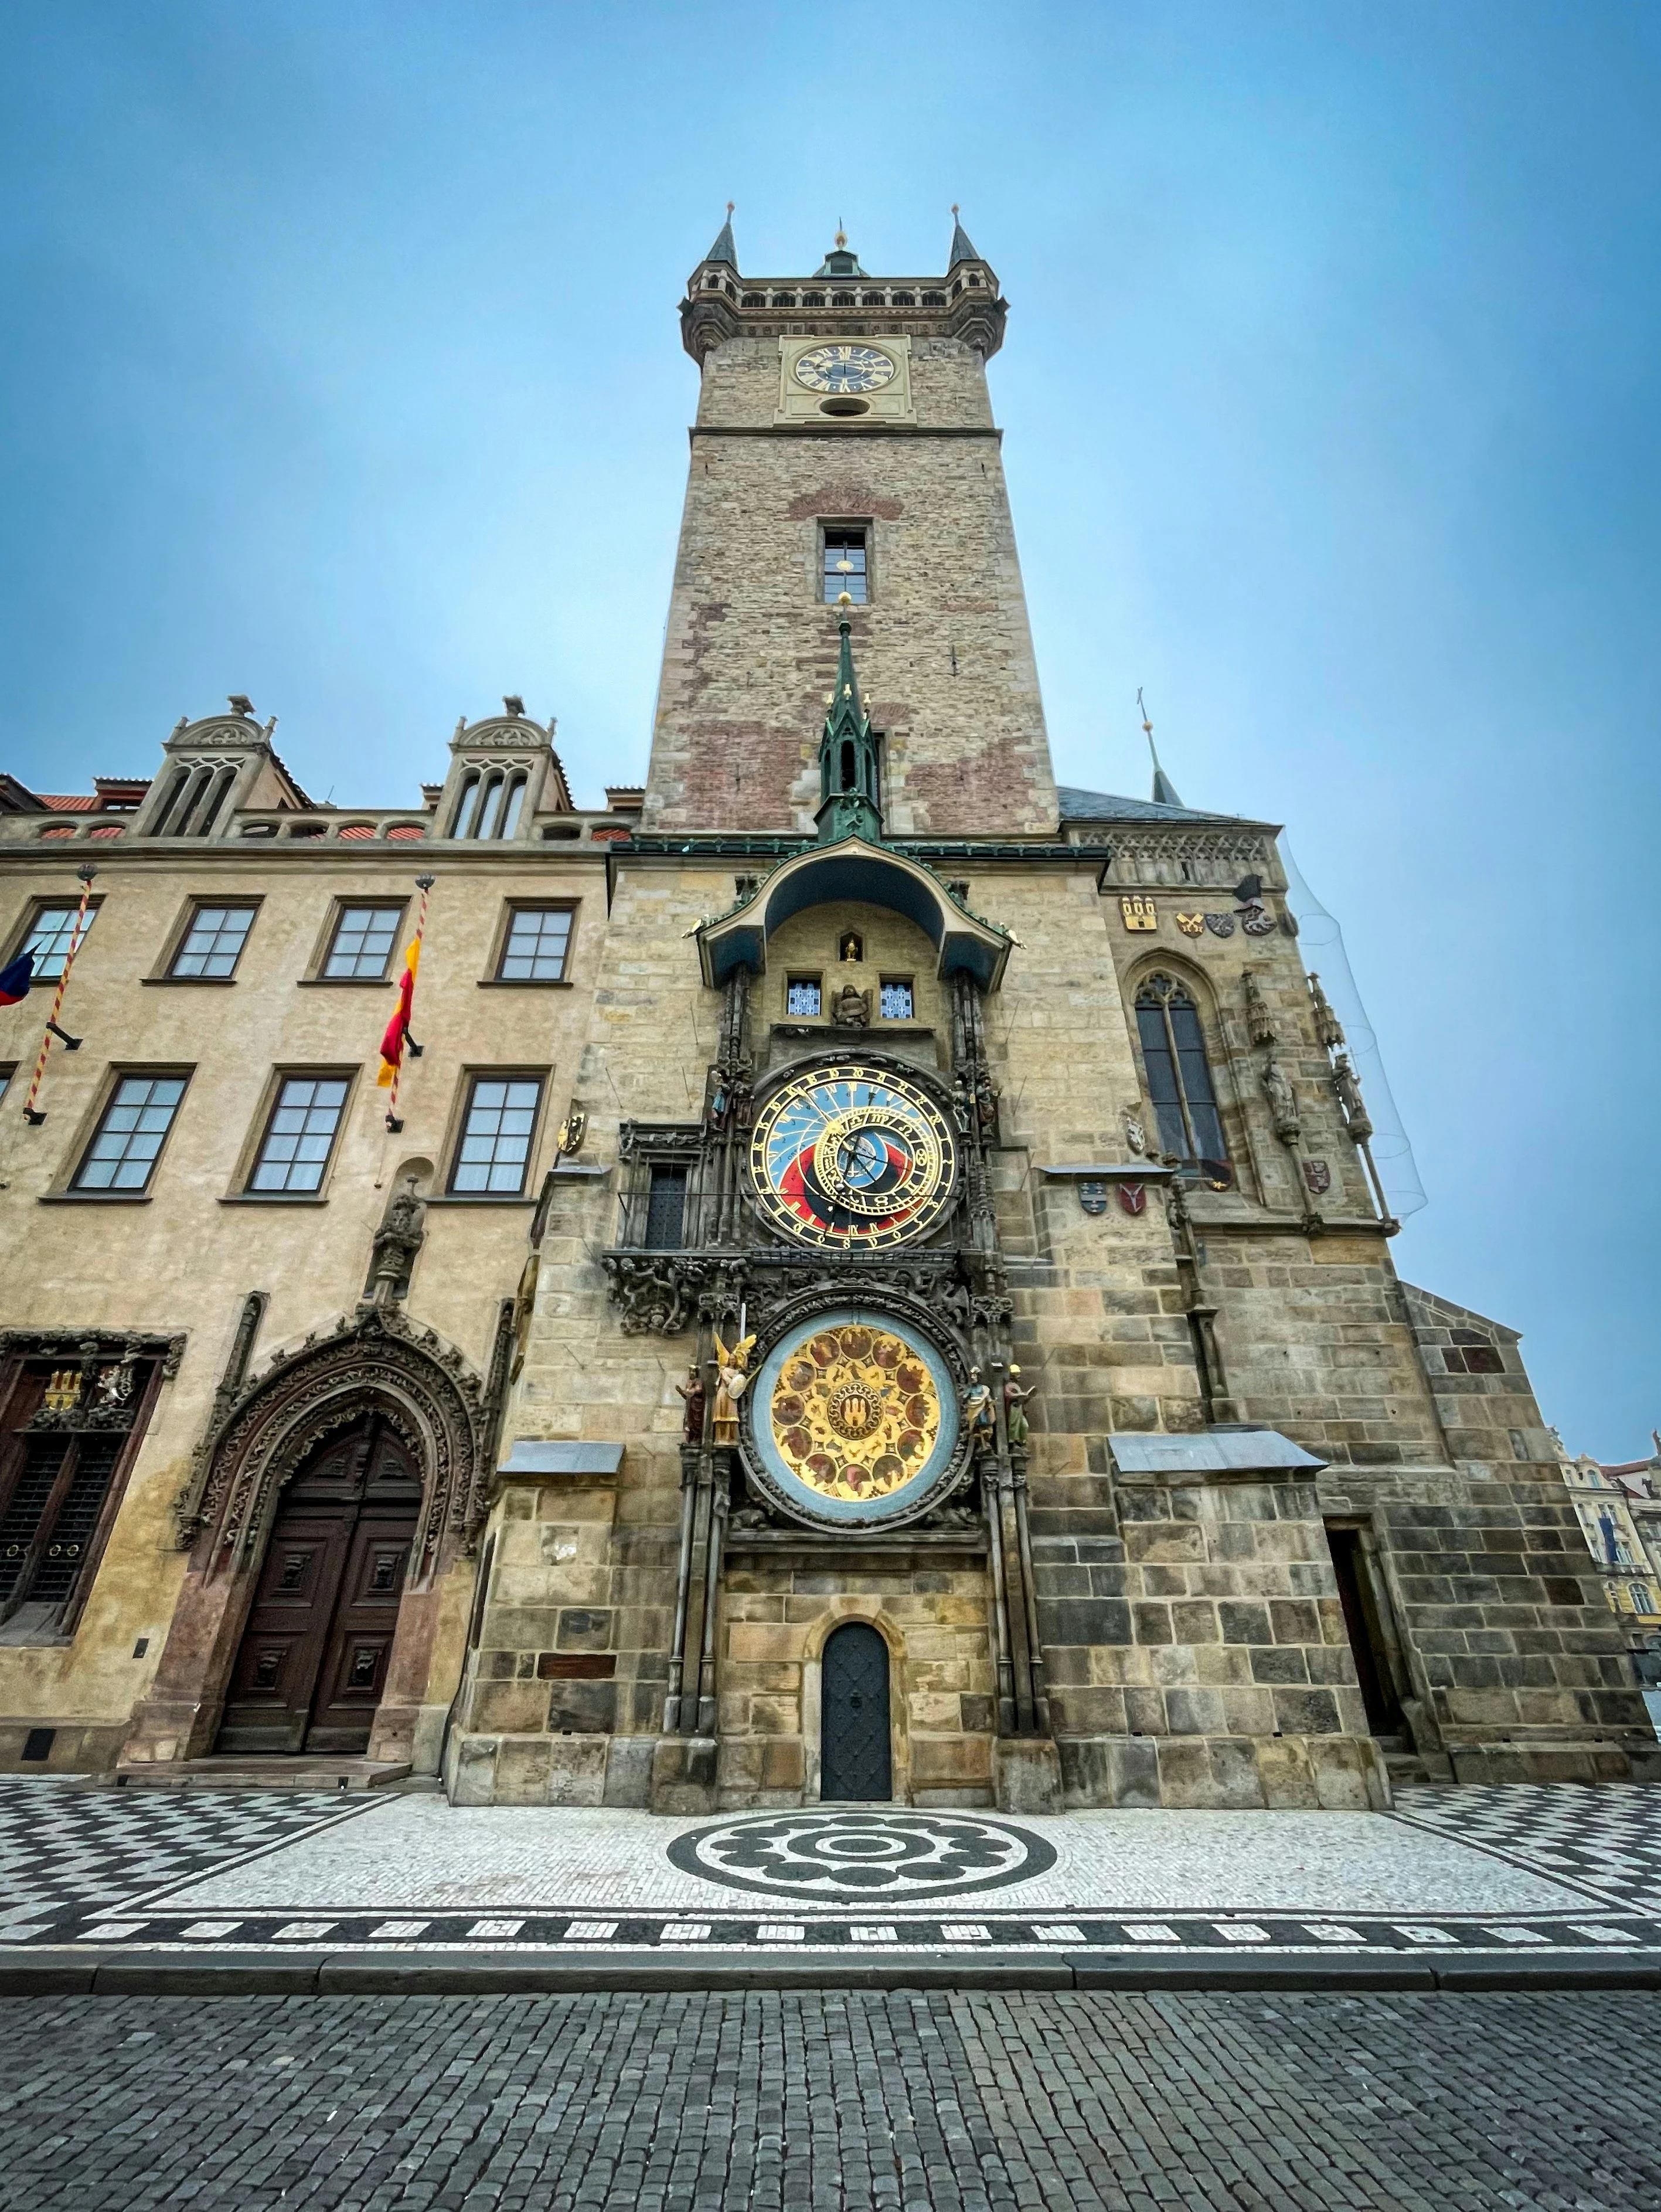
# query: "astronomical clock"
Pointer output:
{"type": "Point", "coordinates": [853, 1417]}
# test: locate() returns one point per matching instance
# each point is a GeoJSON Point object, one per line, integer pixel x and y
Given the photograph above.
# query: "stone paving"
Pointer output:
{"type": "Point", "coordinates": [1453, 1871]}
{"type": "Point", "coordinates": [838, 2102]}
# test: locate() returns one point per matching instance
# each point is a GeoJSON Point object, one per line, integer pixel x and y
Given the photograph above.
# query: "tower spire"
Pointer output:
{"type": "Point", "coordinates": [962, 246]}
{"type": "Point", "coordinates": [1165, 792]}
{"type": "Point", "coordinates": [724, 248]}
{"type": "Point", "coordinates": [849, 800]}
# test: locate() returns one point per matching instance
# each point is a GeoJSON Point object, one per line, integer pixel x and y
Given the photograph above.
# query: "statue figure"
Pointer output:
{"type": "Point", "coordinates": [978, 1415]}
{"type": "Point", "coordinates": [692, 1390]}
{"type": "Point", "coordinates": [400, 1236]}
{"type": "Point", "coordinates": [1350, 1097]}
{"type": "Point", "coordinates": [1282, 1102]}
{"type": "Point", "coordinates": [731, 1381]}
{"type": "Point", "coordinates": [851, 1009]}
{"type": "Point", "coordinates": [1014, 1410]}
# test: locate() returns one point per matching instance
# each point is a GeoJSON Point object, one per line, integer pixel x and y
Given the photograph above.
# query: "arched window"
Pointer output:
{"type": "Point", "coordinates": [515, 801]}
{"type": "Point", "coordinates": [490, 802]}
{"type": "Point", "coordinates": [1179, 1074]}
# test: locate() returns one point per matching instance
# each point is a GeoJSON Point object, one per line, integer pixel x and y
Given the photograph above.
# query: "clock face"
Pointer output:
{"type": "Point", "coordinates": [852, 1157]}
{"type": "Point", "coordinates": [844, 368]}
{"type": "Point", "coordinates": [854, 1418]}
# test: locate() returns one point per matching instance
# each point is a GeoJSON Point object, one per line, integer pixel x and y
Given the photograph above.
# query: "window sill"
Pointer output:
{"type": "Point", "coordinates": [213, 982]}
{"type": "Point", "coordinates": [274, 1198]}
{"type": "Point", "coordinates": [93, 1198]}
{"type": "Point", "coordinates": [479, 1197]}
{"type": "Point", "coordinates": [525, 983]}
{"type": "Point", "coordinates": [340, 983]}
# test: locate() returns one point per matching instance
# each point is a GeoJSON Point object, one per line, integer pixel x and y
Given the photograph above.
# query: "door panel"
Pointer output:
{"type": "Point", "coordinates": [856, 1761]}
{"type": "Point", "coordinates": [313, 1664]}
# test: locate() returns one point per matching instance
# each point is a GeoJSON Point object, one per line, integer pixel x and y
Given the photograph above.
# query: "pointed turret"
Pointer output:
{"type": "Point", "coordinates": [1165, 792]}
{"type": "Point", "coordinates": [850, 800]}
{"type": "Point", "coordinates": [962, 246]}
{"type": "Point", "coordinates": [724, 249]}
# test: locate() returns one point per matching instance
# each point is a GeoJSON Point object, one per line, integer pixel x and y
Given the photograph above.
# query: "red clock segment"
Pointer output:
{"type": "Point", "coordinates": [853, 1157]}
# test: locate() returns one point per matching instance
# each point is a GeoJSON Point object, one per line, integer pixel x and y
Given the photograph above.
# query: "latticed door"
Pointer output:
{"type": "Point", "coordinates": [856, 1759]}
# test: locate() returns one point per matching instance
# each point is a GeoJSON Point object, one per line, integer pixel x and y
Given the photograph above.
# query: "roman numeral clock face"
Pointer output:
{"type": "Point", "coordinates": [841, 368]}
{"type": "Point", "coordinates": [852, 1159]}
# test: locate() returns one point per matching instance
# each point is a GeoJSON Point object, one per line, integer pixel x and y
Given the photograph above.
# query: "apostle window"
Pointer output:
{"type": "Point", "coordinates": [535, 948]}
{"type": "Point", "coordinates": [1179, 1073]}
{"type": "Point", "coordinates": [300, 1135]}
{"type": "Point", "coordinates": [804, 998]}
{"type": "Point", "coordinates": [213, 943]}
{"type": "Point", "coordinates": [845, 565]}
{"type": "Point", "coordinates": [49, 938]}
{"type": "Point", "coordinates": [494, 1152]}
{"type": "Point", "coordinates": [127, 1142]}
{"type": "Point", "coordinates": [897, 999]}
{"type": "Point", "coordinates": [363, 940]}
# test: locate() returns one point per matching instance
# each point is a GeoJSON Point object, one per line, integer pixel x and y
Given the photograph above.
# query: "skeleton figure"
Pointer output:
{"type": "Point", "coordinates": [731, 1381]}
{"type": "Point", "coordinates": [1015, 1411]}
{"type": "Point", "coordinates": [693, 1391]}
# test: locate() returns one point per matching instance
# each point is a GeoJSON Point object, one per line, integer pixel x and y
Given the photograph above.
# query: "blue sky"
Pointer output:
{"type": "Point", "coordinates": [341, 366]}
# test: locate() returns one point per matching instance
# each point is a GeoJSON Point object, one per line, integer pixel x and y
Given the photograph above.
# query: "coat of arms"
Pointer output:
{"type": "Point", "coordinates": [1139, 913]}
{"type": "Point", "coordinates": [1219, 925]}
{"type": "Point", "coordinates": [1318, 1176]}
{"type": "Point", "coordinates": [1190, 925]}
{"type": "Point", "coordinates": [1133, 1196]}
{"type": "Point", "coordinates": [1256, 920]}
{"type": "Point", "coordinates": [1092, 1197]}
{"type": "Point", "coordinates": [572, 1131]}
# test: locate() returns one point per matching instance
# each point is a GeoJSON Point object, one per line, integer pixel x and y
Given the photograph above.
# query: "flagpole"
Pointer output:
{"type": "Point", "coordinates": [86, 872]}
{"type": "Point", "coordinates": [412, 959]}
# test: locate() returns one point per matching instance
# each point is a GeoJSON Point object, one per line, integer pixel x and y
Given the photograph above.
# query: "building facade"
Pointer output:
{"type": "Point", "coordinates": [875, 1287]}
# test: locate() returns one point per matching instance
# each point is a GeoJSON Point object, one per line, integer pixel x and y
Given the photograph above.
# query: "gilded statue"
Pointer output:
{"type": "Point", "coordinates": [731, 1381]}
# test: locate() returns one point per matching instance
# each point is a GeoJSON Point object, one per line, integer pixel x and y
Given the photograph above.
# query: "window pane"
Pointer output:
{"type": "Point", "coordinates": [1197, 1081]}
{"type": "Point", "coordinates": [845, 565]}
{"type": "Point", "coordinates": [363, 939]}
{"type": "Point", "coordinates": [1161, 1081]}
{"type": "Point", "coordinates": [137, 1118]}
{"type": "Point", "coordinates": [42, 1462]}
{"type": "Point", "coordinates": [495, 1146]}
{"type": "Point", "coordinates": [537, 940]}
{"type": "Point", "coordinates": [77, 1516]}
{"type": "Point", "coordinates": [214, 941]}
{"type": "Point", "coordinates": [666, 1209]}
{"type": "Point", "coordinates": [897, 1002]}
{"type": "Point", "coordinates": [300, 1133]}
{"type": "Point", "coordinates": [49, 939]}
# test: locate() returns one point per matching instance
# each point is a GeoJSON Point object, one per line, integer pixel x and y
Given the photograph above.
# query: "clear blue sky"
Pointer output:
{"type": "Point", "coordinates": [341, 366]}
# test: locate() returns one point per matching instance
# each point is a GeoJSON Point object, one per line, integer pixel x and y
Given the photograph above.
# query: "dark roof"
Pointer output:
{"type": "Point", "coordinates": [962, 249]}
{"type": "Point", "coordinates": [1105, 806]}
{"type": "Point", "coordinates": [724, 248]}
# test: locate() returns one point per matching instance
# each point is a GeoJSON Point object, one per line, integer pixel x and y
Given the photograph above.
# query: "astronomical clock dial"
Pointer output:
{"type": "Point", "coordinates": [845, 368]}
{"type": "Point", "coordinates": [853, 1159]}
{"type": "Point", "coordinates": [854, 1418]}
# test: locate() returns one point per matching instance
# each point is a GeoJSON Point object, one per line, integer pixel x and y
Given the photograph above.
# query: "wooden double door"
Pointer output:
{"type": "Point", "coordinates": [312, 1667]}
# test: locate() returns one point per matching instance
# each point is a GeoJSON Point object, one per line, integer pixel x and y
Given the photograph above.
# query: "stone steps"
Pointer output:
{"type": "Point", "coordinates": [302, 1771]}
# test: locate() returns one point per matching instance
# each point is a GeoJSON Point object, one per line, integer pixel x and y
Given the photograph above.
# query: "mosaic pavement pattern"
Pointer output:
{"type": "Point", "coordinates": [1505, 1869]}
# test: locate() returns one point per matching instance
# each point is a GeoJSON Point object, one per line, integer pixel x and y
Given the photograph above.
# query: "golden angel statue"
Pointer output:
{"type": "Point", "coordinates": [731, 1380]}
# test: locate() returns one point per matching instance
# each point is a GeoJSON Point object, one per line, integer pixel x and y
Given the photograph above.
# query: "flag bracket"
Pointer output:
{"type": "Point", "coordinates": [69, 1044]}
{"type": "Point", "coordinates": [34, 1116]}
{"type": "Point", "coordinates": [394, 1124]}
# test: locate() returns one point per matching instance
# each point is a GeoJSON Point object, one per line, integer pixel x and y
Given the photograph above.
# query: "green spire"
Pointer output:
{"type": "Point", "coordinates": [850, 794]}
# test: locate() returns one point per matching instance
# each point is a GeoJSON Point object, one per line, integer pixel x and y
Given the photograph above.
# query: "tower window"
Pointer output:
{"type": "Point", "coordinates": [896, 999]}
{"type": "Point", "coordinates": [804, 999]}
{"type": "Point", "coordinates": [666, 1206]}
{"type": "Point", "coordinates": [845, 566]}
{"type": "Point", "coordinates": [1179, 1073]}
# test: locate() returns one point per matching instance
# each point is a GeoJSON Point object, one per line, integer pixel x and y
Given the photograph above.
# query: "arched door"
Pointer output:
{"type": "Point", "coordinates": [312, 1662]}
{"type": "Point", "coordinates": [856, 1758]}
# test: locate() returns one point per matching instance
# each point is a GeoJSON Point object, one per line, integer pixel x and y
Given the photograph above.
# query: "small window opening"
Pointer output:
{"type": "Point", "coordinates": [802, 997]}
{"type": "Point", "coordinates": [847, 566]}
{"type": "Point", "coordinates": [666, 1206]}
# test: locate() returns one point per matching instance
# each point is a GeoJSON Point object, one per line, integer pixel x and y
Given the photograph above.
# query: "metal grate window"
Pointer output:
{"type": "Point", "coordinates": [1179, 1073]}
{"type": "Point", "coordinates": [49, 938]}
{"type": "Point", "coordinates": [495, 1146]}
{"type": "Point", "coordinates": [212, 945]}
{"type": "Point", "coordinates": [538, 939]}
{"type": "Point", "coordinates": [364, 937]}
{"type": "Point", "coordinates": [666, 1207]}
{"type": "Point", "coordinates": [897, 1001]}
{"type": "Point", "coordinates": [131, 1133]}
{"type": "Point", "coordinates": [845, 566]}
{"type": "Point", "coordinates": [301, 1134]}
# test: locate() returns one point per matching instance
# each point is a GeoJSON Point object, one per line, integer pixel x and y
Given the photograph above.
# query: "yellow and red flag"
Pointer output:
{"type": "Point", "coordinates": [397, 1035]}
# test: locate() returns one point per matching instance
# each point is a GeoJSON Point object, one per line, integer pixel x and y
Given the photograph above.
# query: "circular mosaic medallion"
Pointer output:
{"type": "Point", "coordinates": [864, 1857]}
{"type": "Point", "coordinates": [855, 1157]}
{"type": "Point", "coordinates": [854, 1417]}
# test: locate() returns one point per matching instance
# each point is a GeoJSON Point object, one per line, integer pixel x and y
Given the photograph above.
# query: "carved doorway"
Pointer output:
{"type": "Point", "coordinates": [857, 1759]}
{"type": "Point", "coordinates": [312, 1662]}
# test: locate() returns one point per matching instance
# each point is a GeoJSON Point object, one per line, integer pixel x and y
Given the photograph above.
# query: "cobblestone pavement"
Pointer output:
{"type": "Point", "coordinates": [831, 2103]}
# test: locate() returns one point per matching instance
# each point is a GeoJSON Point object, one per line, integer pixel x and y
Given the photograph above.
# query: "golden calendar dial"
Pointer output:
{"type": "Point", "coordinates": [854, 1157]}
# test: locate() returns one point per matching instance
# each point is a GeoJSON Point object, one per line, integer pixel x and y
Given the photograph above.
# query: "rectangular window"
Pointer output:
{"type": "Point", "coordinates": [666, 1207]}
{"type": "Point", "coordinates": [212, 943]}
{"type": "Point", "coordinates": [300, 1133]}
{"type": "Point", "coordinates": [802, 996]}
{"type": "Point", "coordinates": [846, 567]}
{"type": "Point", "coordinates": [135, 1126]}
{"type": "Point", "coordinates": [495, 1151]}
{"type": "Point", "coordinates": [49, 938]}
{"type": "Point", "coordinates": [897, 1001]}
{"type": "Point", "coordinates": [363, 942]}
{"type": "Point", "coordinates": [538, 939]}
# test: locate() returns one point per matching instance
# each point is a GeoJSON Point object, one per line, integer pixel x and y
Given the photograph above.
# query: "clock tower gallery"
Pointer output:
{"type": "Point", "coordinates": [959, 1362]}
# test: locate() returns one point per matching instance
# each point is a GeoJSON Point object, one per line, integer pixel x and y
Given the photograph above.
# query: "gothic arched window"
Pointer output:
{"type": "Point", "coordinates": [1179, 1073]}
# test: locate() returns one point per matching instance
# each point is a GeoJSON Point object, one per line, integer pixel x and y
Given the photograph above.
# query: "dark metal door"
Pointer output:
{"type": "Point", "coordinates": [313, 1664]}
{"type": "Point", "coordinates": [856, 1761]}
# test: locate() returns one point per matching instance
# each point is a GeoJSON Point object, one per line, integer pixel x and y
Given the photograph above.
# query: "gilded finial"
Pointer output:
{"type": "Point", "coordinates": [731, 204]}
{"type": "Point", "coordinates": [841, 235]}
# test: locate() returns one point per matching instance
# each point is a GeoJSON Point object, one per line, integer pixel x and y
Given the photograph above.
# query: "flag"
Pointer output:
{"type": "Point", "coordinates": [391, 1045]}
{"type": "Point", "coordinates": [14, 981]}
